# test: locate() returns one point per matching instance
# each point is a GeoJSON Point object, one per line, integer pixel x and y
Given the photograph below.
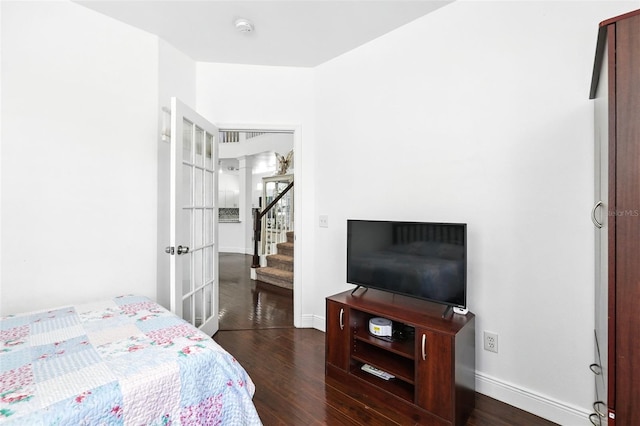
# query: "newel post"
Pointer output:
{"type": "Point", "coordinates": [257, 229]}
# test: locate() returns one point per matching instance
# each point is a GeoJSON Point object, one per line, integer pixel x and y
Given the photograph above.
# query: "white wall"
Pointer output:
{"type": "Point", "coordinates": [479, 113]}
{"type": "Point", "coordinates": [176, 78]}
{"type": "Point", "coordinates": [79, 126]}
{"type": "Point", "coordinates": [228, 189]}
{"type": "Point", "coordinates": [231, 235]}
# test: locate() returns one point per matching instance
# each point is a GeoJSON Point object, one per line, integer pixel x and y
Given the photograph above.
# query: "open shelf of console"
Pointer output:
{"type": "Point", "coordinates": [432, 358]}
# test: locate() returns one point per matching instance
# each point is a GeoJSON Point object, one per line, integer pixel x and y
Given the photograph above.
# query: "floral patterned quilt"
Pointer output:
{"type": "Point", "coordinates": [122, 362]}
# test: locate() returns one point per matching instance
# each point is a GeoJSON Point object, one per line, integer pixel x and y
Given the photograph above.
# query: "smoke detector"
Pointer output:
{"type": "Point", "coordinates": [244, 25]}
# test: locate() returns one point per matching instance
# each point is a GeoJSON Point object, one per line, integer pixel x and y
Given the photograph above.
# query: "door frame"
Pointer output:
{"type": "Point", "coordinates": [298, 255]}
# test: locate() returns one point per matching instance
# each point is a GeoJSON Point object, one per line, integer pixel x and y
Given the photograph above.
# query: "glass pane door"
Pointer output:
{"type": "Point", "coordinates": [194, 293]}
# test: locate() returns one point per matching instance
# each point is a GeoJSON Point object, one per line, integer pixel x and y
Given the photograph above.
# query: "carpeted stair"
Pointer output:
{"type": "Point", "coordinates": [279, 269]}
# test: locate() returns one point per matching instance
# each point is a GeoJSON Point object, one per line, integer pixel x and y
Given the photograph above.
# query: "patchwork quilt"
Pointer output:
{"type": "Point", "coordinates": [122, 362]}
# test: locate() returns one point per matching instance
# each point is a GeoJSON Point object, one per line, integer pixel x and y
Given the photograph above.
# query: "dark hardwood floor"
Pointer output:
{"type": "Point", "coordinates": [287, 363]}
{"type": "Point", "coordinates": [247, 304]}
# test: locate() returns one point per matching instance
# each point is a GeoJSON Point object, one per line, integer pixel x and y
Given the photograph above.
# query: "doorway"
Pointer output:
{"type": "Point", "coordinates": [247, 155]}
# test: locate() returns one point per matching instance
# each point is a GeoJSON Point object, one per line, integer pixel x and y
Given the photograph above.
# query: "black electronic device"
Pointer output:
{"type": "Point", "coordinates": [427, 260]}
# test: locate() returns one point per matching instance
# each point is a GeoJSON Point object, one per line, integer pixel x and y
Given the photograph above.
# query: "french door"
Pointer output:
{"type": "Point", "coordinates": [194, 220]}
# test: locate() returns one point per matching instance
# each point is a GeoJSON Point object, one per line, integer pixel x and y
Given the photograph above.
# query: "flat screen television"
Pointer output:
{"type": "Point", "coordinates": [418, 259]}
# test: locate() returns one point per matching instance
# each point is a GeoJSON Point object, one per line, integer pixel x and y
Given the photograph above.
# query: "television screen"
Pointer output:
{"type": "Point", "coordinates": [417, 259]}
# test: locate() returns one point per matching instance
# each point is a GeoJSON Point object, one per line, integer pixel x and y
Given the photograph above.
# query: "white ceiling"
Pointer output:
{"type": "Point", "coordinates": [301, 33]}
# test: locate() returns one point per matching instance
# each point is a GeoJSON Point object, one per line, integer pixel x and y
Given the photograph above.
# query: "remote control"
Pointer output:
{"type": "Point", "coordinates": [377, 372]}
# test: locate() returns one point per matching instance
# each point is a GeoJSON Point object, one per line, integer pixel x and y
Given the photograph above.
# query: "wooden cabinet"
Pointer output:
{"type": "Point", "coordinates": [615, 86]}
{"type": "Point", "coordinates": [431, 358]}
{"type": "Point", "coordinates": [434, 367]}
{"type": "Point", "coordinates": [338, 326]}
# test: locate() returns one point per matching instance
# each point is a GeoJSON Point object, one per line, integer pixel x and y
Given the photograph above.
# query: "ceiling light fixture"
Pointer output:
{"type": "Point", "coordinates": [244, 25]}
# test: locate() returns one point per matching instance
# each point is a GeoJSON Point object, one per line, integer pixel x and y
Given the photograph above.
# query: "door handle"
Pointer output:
{"type": "Point", "coordinates": [424, 347]}
{"type": "Point", "coordinates": [183, 249]}
{"type": "Point", "coordinates": [168, 249]}
{"type": "Point", "coordinates": [341, 319]}
{"type": "Point", "coordinates": [596, 405]}
{"type": "Point", "coordinates": [593, 215]}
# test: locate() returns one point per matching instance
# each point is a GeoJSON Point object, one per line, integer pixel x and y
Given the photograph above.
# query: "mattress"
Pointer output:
{"type": "Point", "coordinates": [121, 362]}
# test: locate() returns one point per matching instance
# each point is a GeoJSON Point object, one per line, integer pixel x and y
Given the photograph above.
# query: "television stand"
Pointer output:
{"type": "Point", "coordinates": [356, 289]}
{"type": "Point", "coordinates": [433, 366]}
{"type": "Point", "coordinates": [447, 311]}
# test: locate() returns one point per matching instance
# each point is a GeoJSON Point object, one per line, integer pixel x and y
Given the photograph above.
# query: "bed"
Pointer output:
{"type": "Point", "coordinates": [120, 362]}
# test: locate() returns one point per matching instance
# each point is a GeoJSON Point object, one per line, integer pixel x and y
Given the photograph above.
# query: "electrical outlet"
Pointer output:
{"type": "Point", "coordinates": [491, 341]}
{"type": "Point", "coordinates": [324, 221]}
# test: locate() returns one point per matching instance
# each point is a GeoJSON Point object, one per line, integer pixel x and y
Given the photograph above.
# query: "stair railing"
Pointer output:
{"type": "Point", "coordinates": [257, 224]}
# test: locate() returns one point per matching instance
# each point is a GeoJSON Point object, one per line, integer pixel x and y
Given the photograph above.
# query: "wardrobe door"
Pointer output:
{"type": "Point", "coordinates": [627, 231]}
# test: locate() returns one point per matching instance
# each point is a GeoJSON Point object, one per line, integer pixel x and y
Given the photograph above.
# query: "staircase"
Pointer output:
{"type": "Point", "coordinates": [279, 269]}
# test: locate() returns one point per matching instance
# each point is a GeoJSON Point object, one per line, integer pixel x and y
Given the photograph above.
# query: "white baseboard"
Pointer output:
{"type": "Point", "coordinates": [319, 323]}
{"type": "Point", "coordinates": [533, 402]}
{"type": "Point", "coordinates": [308, 321]}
